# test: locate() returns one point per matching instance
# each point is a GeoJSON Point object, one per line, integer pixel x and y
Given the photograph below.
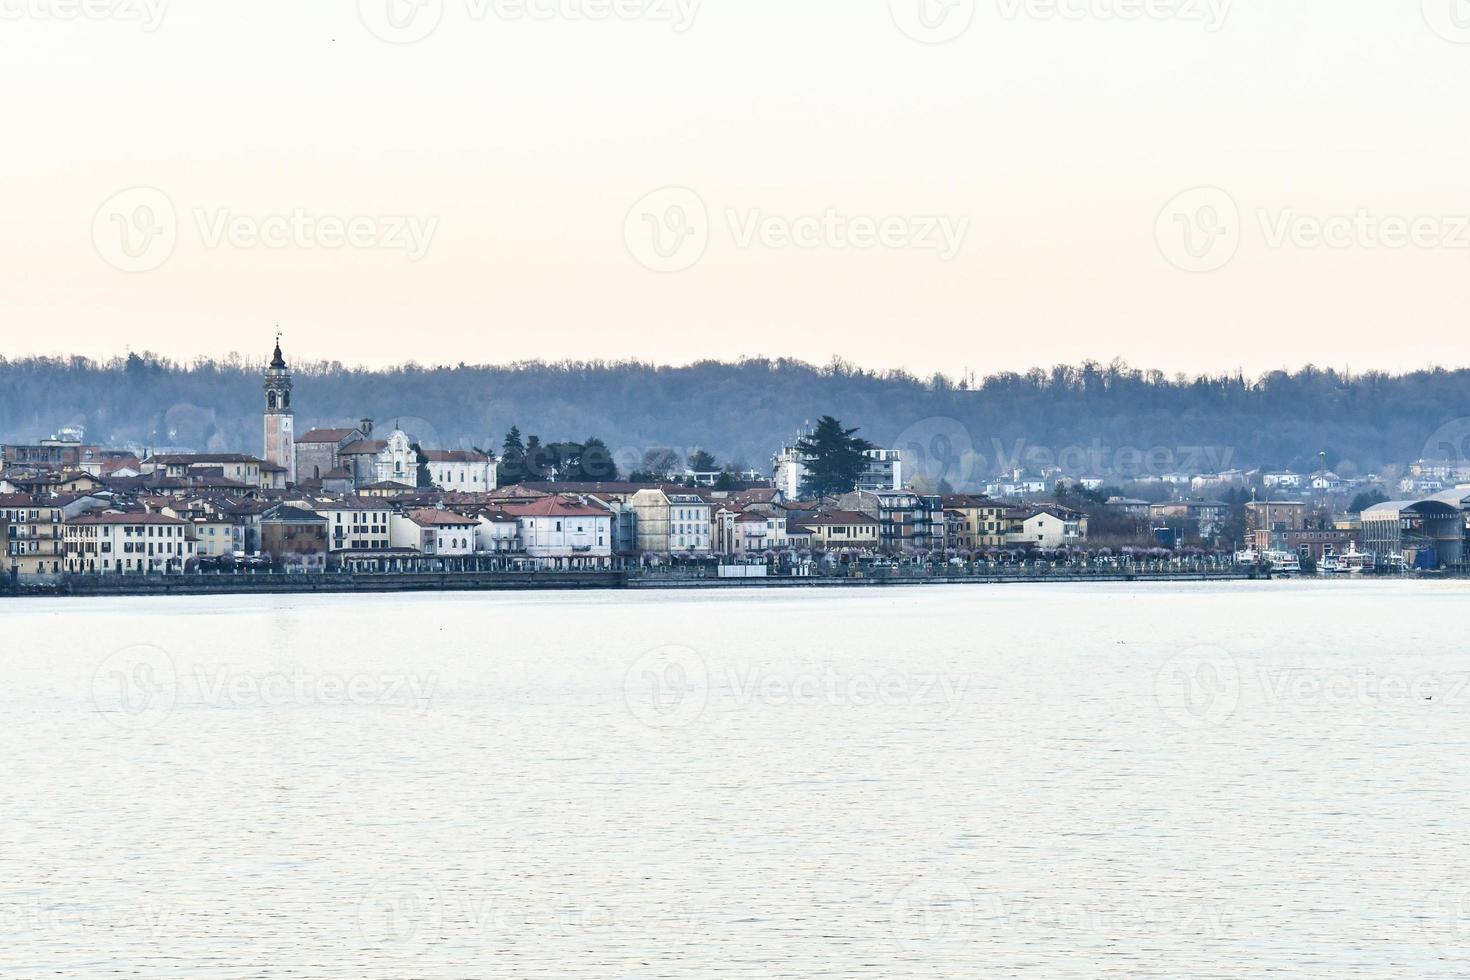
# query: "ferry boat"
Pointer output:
{"type": "Point", "coordinates": [1353, 561]}
{"type": "Point", "coordinates": [1282, 563]}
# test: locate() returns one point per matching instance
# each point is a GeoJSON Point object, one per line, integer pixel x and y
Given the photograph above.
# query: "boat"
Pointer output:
{"type": "Point", "coordinates": [1282, 563]}
{"type": "Point", "coordinates": [1353, 561]}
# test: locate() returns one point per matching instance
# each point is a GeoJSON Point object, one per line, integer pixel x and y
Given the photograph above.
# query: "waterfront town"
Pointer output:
{"type": "Point", "coordinates": [358, 499]}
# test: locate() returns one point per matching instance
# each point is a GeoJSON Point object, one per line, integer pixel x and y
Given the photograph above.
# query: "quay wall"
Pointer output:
{"type": "Point", "coordinates": [265, 583]}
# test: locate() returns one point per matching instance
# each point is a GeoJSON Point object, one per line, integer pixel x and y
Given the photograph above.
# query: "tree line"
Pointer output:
{"type": "Point", "coordinates": [742, 412]}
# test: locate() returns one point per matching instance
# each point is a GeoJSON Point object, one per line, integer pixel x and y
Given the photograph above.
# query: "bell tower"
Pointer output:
{"type": "Point", "coordinates": [280, 434]}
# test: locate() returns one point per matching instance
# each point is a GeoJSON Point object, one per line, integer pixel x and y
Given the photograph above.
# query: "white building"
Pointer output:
{"type": "Point", "coordinates": [884, 471]}
{"type": "Point", "coordinates": [668, 523]}
{"type": "Point", "coordinates": [127, 543]}
{"type": "Point", "coordinates": [564, 532]}
{"type": "Point", "coordinates": [497, 533]}
{"type": "Point", "coordinates": [396, 460]}
{"type": "Point", "coordinates": [1048, 529]}
{"type": "Point", "coordinates": [461, 470]}
{"type": "Point", "coordinates": [1284, 480]}
{"type": "Point", "coordinates": [441, 533]}
{"type": "Point", "coordinates": [357, 524]}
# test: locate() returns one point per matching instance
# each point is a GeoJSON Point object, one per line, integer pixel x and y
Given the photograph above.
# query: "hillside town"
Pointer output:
{"type": "Point", "coordinates": [357, 498]}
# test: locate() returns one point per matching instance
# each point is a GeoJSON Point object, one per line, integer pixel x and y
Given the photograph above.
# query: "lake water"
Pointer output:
{"type": "Point", "coordinates": [1046, 781]}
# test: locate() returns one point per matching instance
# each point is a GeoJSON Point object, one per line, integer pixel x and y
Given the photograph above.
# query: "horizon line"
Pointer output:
{"type": "Point", "coordinates": [834, 365]}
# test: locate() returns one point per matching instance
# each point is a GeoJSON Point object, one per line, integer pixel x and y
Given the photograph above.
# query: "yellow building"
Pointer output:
{"type": "Point", "coordinates": [835, 529]}
{"type": "Point", "coordinates": [213, 537]}
{"type": "Point", "coordinates": [33, 539]}
{"type": "Point", "coordinates": [974, 523]}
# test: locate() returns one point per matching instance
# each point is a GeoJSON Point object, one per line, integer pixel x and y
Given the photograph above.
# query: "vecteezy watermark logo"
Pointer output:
{"type": "Point", "coordinates": [668, 230]}
{"type": "Point", "coordinates": [833, 231]}
{"type": "Point", "coordinates": [136, 230]}
{"type": "Point", "coordinates": [939, 450]}
{"type": "Point", "coordinates": [401, 21]}
{"type": "Point", "coordinates": [148, 14]}
{"type": "Point", "coordinates": [1363, 229]}
{"type": "Point", "coordinates": [301, 229]}
{"type": "Point", "coordinates": [136, 688]}
{"type": "Point", "coordinates": [1199, 230]}
{"type": "Point", "coordinates": [1210, 13]}
{"type": "Point", "coordinates": [1445, 919]}
{"type": "Point", "coordinates": [1450, 445]}
{"type": "Point", "coordinates": [227, 687]}
{"type": "Point", "coordinates": [667, 688]}
{"type": "Point", "coordinates": [931, 909]}
{"type": "Point", "coordinates": [411, 21]}
{"type": "Point", "coordinates": [1198, 688]}
{"type": "Point", "coordinates": [1450, 19]}
{"type": "Point", "coordinates": [398, 910]}
{"type": "Point", "coordinates": [933, 21]}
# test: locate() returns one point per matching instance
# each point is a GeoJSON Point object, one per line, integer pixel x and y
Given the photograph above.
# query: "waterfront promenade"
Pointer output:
{"type": "Point", "coordinates": [247, 583]}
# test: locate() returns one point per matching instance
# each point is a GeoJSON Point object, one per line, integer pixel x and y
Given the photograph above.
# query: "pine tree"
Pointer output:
{"type": "Point", "coordinates": [833, 457]}
{"type": "Point", "coordinates": [512, 469]}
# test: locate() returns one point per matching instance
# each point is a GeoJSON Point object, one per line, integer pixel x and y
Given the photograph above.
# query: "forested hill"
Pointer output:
{"type": "Point", "coordinates": [743, 411]}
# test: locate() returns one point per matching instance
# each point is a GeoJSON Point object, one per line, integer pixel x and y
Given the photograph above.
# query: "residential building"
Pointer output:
{"type": "Point", "coordinates": [975, 522]}
{"type": "Point", "coordinates": [753, 533]}
{"type": "Point", "coordinates": [128, 543]}
{"type": "Point", "coordinates": [835, 530]}
{"type": "Point", "coordinates": [669, 522]}
{"type": "Point", "coordinates": [564, 532]}
{"type": "Point", "coordinates": [237, 468]}
{"type": "Point", "coordinates": [294, 539]}
{"type": "Point", "coordinates": [387, 488]}
{"type": "Point", "coordinates": [1050, 528]}
{"type": "Point", "coordinates": [273, 477]}
{"type": "Point", "coordinates": [497, 533]}
{"type": "Point", "coordinates": [1129, 506]}
{"type": "Point", "coordinates": [460, 470]}
{"type": "Point", "coordinates": [908, 522]}
{"type": "Point", "coordinates": [437, 533]}
{"type": "Point", "coordinates": [213, 537]}
{"type": "Point", "coordinates": [1267, 522]}
{"type": "Point", "coordinates": [1283, 480]}
{"type": "Point", "coordinates": [356, 524]}
{"type": "Point", "coordinates": [63, 451]}
{"type": "Point", "coordinates": [1206, 518]}
{"type": "Point", "coordinates": [34, 538]}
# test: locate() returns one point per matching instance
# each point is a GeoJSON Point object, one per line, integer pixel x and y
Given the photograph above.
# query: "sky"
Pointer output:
{"type": "Point", "coordinates": [934, 185]}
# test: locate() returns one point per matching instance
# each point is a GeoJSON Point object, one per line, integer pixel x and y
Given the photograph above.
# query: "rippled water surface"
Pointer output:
{"type": "Point", "coordinates": [1012, 781]}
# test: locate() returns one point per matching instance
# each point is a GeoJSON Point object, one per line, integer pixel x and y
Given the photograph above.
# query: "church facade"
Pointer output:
{"type": "Point", "coordinates": [347, 460]}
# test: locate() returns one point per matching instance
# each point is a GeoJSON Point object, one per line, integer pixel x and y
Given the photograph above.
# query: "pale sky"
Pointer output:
{"type": "Point", "coordinates": [1188, 184]}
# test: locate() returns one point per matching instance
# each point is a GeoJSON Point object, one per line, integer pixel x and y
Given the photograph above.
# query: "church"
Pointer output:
{"type": "Point", "coordinates": [352, 460]}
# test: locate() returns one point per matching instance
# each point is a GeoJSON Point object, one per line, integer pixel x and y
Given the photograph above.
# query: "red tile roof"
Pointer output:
{"type": "Point", "coordinates": [127, 519]}
{"type": "Point", "coordinates": [326, 435]}
{"type": "Point", "coordinates": [553, 507]}
{"type": "Point", "coordinates": [454, 456]}
{"type": "Point", "coordinates": [438, 518]}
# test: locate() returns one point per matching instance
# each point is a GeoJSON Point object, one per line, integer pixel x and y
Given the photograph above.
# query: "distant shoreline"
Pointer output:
{"type": "Point", "coordinates": [274, 584]}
